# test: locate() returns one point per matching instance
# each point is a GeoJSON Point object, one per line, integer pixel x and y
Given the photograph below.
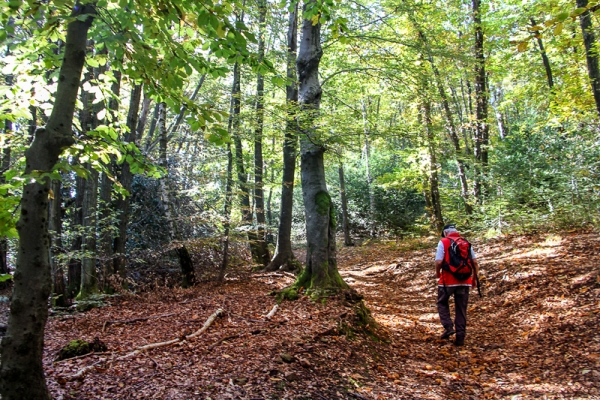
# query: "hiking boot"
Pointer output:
{"type": "Point", "coordinates": [447, 333]}
{"type": "Point", "coordinates": [459, 341]}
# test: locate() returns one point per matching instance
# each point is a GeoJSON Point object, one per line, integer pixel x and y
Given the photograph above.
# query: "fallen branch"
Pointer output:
{"type": "Point", "coordinates": [272, 312]}
{"type": "Point", "coordinates": [82, 356]}
{"type": "Point", "coordinates": [140, 349]}
{"type": "Point", "coordinates": [134, 320]}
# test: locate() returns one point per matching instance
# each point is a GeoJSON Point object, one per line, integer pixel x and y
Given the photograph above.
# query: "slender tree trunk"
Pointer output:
{"type": "Point", "coordinates": [89, 277]}
{"type": "Point", "coordinates": [436, 204]}
{"type": "Point", "coordinates": [242, 177]}
{"type": "Point", "coordinates": [106, 206]}
{"type": "Point", "coordinates": [453, 135]}
{"type": "Point", "coordinates": [259, 194]}
{"type": "Point", "coordinates": [89, 280]}
{"type": "Point", "coordinates": [345, 217]}
{"type": "Point", "coordinates": [4, 166]}
{"type": "Point", "coordinates": [227, 208]}
{"type": "Point", "coordinates": [321, 273]}
{"type": "Point", "coordinates": [74, 266]}
{"type": "Point", "coordinates": [59, 289]}
{"type": "Point", "coordinates": [125, 178]}
{"type": "Point", "coordinates": [591, 51]}
{"type": "Point", "coordinates": [481, 109]}
{"type": "Point", "coordinates": [545, 59]}
{"type": "Point", "coordinates": [21, 371]}
{"type": "Point", "coordinates": [284, 256]}
{"type": "Point", "coordinates": [367, 153]}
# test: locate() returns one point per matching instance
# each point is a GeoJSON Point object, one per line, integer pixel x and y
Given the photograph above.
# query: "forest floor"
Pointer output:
{"type": "Point", "coordinates": [534, 334]}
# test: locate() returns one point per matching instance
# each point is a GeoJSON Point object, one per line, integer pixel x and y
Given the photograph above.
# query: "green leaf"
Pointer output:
{"type": "Point", "coordinates": [5, 277]}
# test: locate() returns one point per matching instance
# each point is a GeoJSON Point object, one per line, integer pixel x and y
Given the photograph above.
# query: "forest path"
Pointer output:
{"type": "Point", "coordinates": [534, 334]}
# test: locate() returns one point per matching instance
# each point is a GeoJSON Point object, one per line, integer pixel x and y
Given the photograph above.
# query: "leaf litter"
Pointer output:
{"type": "Point", "coordinates": [534, 334]}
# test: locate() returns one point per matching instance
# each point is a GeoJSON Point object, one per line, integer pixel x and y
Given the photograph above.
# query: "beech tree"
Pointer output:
{"type": "Point", "coordinates": [320, 274]}
{"type": "Point", "coordinates": [21, 371]}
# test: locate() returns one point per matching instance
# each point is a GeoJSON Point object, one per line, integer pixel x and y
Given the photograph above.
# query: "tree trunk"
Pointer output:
{"type": "Point", "coordinates": [4, 166]}
{"type": "Point", "coordinates": [21, 372]}
{"type": "Point", "coordinates": [125, 178]}
{"type": "Point", "coordinates": [242, 177]}
{"type": "Point", "coordinates": [321, 274]}
{"type": "Point", "coordinates": [59, 289]}
{"type": "Point", "coordinates": [74, 265]}
{"type": "Point", "coordinates": [345, 218]}
{"type": "Point", "coordinates": [481, 109]}
{"type": "Point", "coordinates": [436, 204]}
{"type": "Point", "coordinates": [106, 206]}
{"type": "Point", "coordinates": [89, 277]}
{"type": "Point", "coordinates": [367, 153]}
{"type": "Point", "coordinates": [284, 256]}
{"type": "Point", "coordinates": [259, 195]}
{"type": "Point", "coordinates": [591, 52]}
{"type": "Point", "coordinates": [227, 207]}
{"type": "Point", "coordinates": [545, 59]}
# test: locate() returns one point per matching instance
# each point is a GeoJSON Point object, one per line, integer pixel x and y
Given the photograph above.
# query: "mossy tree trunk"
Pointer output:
{"type": "Point", "coordinates": [321, 273]}
{"type": "Point", "coordinates": [284, 256]}
{"type": "Point", "coordinates": [21, 371]}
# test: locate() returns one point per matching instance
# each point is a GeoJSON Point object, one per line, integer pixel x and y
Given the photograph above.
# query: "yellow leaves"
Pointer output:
{"type": "Point", "coordinates": [221, 30]}
{"type": "Point", "coordinates": [558, 29]}
{"type": "Point", "coordinates": [521, 47]}
{"type": "Point", "coordinates": [315, 19]}
{"type": "Point", "coordinates": [50, 194]}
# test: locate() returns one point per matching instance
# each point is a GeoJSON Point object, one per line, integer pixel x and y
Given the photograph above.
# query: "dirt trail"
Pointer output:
{"type": "Point", "coordinates": [533, 335]}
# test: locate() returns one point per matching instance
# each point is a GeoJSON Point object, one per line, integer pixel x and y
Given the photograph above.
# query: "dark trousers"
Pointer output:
{"type": "Point", "coordinates": [461, 299]}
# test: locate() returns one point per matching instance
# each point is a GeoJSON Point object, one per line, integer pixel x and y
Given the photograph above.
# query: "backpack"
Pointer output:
{"type": "Point", "coordinates": [460, 263]}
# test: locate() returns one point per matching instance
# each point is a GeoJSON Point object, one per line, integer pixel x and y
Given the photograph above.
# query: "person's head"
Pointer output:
{"type": "Point", "coordinates": [448, 229]}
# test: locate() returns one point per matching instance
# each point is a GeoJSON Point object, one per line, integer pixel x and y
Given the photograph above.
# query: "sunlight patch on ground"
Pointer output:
{"type": "Point", "coordinates": [559, 302]}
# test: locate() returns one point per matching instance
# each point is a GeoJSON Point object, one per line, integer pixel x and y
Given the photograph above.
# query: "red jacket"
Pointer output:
{"type": "Point", "coordinates": [446, 278]}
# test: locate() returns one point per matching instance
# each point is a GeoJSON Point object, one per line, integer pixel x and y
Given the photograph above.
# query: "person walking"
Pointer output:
{"type": "Point", "coordinates": [453, 282]}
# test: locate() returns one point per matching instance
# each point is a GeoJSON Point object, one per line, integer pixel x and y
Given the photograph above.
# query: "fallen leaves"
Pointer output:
{"type": "Point", "coordinates": [533, 334]}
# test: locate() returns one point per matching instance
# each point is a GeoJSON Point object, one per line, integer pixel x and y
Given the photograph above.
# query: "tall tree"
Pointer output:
{"type": "Point", "coordinates": [321, 273]}
{"type": "Point", "coordinates": [259, 195]}
{"type": "Point", "coordinates": [284, 256]}
{"type": "Point", "coordinates": [125, 178]}
{"type": "Point", "coordinates": [21, 371]}
{"type": "Point", "coordinates": [482, 128]}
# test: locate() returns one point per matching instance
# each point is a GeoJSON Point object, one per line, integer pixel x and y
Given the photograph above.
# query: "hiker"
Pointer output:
{"type": "Point", "coordinates": [449, 284]}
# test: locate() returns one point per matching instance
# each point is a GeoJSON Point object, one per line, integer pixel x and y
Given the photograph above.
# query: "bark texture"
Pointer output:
{"type": "Point", "coordinates": [321, 273]}
{"type": "Point", "coordinates": [21, 371]}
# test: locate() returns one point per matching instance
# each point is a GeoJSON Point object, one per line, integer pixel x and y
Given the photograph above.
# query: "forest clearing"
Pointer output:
{"type": "Point", "coordinates": [534, 334]}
